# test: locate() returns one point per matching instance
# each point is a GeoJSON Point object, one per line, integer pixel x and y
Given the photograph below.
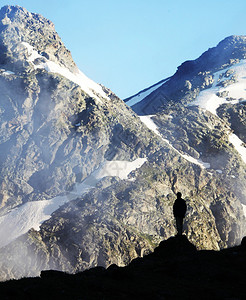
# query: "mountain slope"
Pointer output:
{"type": "Point", "coordinates": [200, 110]}
{"type": "Point", "coordinates": [49, 114]}
{"type": "Point", "coordinates": [195, 76]}
{"type": "Point", "coordinates": [78, 162]}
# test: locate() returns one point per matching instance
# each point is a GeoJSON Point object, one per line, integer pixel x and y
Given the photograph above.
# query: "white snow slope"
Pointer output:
{"type": "Point", "coordinates": [32, 214]}
{"type": "Point", "coordinates": [208, 99]}
{"type": "Point", "coordinates": [239, 145]}
{"type": "Point", "coordinates": [89, 86]}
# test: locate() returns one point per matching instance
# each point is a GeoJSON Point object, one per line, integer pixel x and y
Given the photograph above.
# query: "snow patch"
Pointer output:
{"type": "Point", "coordinates": [29, 215]}
{"type": "Point", "coordinates": [150, 123]}
{"type": "Point", "coordinates": [196, 161]}
{"type": "Point", "coordinates": [152, 126]}
{"type": "Point", "coordinates": [244, 209]}
{"type": "Point", "coordinates": [8, 73]}
{"type": "Point", "coordinates": [89, 86]}
{"type": "Point", "coordinates": [239, 145]}
{"type": "Point", "coordinates": [119, 168]}
{"type": "Point", "coordinates": [208, 98]}
{"type": "Point", "coordinates": [32, 214]}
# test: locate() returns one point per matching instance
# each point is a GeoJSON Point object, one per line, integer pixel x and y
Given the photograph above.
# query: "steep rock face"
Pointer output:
{"type": "Point", "coordinates": [52, 132]}
{"type": "Point", "coordinates": [45, 145]}
{"type": "Point", "coordinates": [200, 110]}
{"type": "Point", "coordinates": [59, 129]}
{"type": "Point", "coordinates": [235, 115]}
{"type": "Point", "coordinates": [18, 25]}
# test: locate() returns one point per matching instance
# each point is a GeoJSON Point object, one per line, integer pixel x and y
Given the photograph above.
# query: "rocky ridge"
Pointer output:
{"type": "Point", "coordinates": [175, 270]}
{"type": "Point", "coordinates": [17, 26]}
{"type": "Point", "coordinates": [194, 76]}
{"type": "Point", "coordinates": [52, 132]}
{"type": "Point", "coordinates": [205, 132]}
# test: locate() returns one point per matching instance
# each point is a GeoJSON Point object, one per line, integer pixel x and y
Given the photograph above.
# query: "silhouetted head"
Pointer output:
{"type": "Point", "coordinates": [179, 195]}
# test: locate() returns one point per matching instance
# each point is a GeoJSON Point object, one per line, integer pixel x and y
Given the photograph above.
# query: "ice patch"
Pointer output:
{"type": "Point", "coordinates": [89, 86]}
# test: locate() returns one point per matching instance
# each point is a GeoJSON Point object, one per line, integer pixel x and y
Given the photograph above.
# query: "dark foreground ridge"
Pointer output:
{"type": "Point", "coordinates": [175, 270]}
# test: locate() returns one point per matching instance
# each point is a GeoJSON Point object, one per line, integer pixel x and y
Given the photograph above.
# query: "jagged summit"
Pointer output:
{"type": "Point", "coordinates": [233, 39]}
{"type": "Point", "coordinates": [229, 49]}
{"type": "Point", "coordinates": [191, 77]}
{"type": "Point", "coordinates": [29, 42]}
{"type": "Point", "coordinates": [232, 47]}
{"type": "Point", "coordinates": [15, 11]}
{"type": "Point", "coordinates": [17, 25]}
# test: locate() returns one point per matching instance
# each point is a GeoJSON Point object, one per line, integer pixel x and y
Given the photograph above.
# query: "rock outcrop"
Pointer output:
{"type": "Point", "coordinates": [175, 270]}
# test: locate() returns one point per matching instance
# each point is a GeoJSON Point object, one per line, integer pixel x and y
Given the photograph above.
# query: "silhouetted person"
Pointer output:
{"type": "Point", "coordinates": [179, 210]}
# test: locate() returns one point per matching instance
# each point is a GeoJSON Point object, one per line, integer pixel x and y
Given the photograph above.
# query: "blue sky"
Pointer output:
{"type": "Point", "coordinates": [128, 45]}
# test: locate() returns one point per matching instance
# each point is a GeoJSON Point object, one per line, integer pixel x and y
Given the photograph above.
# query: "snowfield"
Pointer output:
{"type": "Point", "coordinates": [208, 99]}
{"type": "Point", "coordinates": [89, 86]}
{"type": "Point", "coordinates": [32, 214]}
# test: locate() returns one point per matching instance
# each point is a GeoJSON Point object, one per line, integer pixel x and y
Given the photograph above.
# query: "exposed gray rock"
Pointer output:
{"type": "Point", "coordinates": [18, 25]}
{"type": "Point", "coordinates": [235, 115]}
{"type": "Point", "coordinates": [53, 134]}
{"type": "Point", "coordinates": [199, 73]}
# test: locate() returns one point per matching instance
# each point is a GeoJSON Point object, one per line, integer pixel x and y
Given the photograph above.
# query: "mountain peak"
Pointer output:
{"type": "Point", "coordinates": [229, 49]}
{"type": "Point", "coordinates": [232, 39]}
{"type": "Point", "coordinates": [13, 13]}
{"type": "Point", "coordinates": [17, 25]}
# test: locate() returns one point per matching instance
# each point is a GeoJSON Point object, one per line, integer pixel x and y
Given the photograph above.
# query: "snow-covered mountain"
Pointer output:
{"type": "Point", "coordinates": [85, 180]}
{"type": "Point", "coordinates": [217, 86]}
{"type": "Point", "coordinates": [226, 87]}
{"type": "Point", "coordinates": [201, 110]}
